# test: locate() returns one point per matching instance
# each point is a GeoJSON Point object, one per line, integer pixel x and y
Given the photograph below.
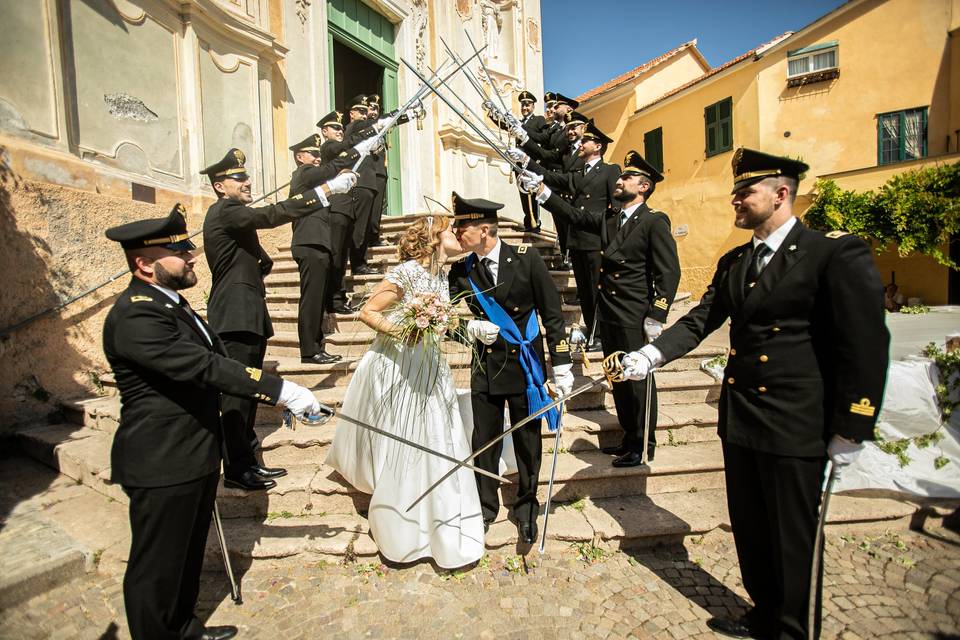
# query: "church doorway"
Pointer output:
{"type": "Point", "coordinates": [362, 60]}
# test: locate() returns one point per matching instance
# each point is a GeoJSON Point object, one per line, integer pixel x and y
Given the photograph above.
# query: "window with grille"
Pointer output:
{"type": "Point", "coordinates": [653, 148]}
{"type": "Point", "coordinates": [718, 119]}
{"type": "Point", "coordinates": [902, 135]}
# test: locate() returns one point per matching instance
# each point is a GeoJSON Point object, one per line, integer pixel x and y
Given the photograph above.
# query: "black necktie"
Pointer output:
{"type": "Point", "coordinates": [484, 270]}
{"type": "Point", "coordinates": [756, 263]}
{"type": "Point", "coordinates": [623, 218]}
{"type": "Point", "coordinates": [586, 169]}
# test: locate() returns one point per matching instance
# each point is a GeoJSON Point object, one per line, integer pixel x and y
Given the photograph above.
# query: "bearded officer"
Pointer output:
{"type": "Point", "coordinates": [507, 288]}
{"type": "Point", "coordinates": [237, 308]}
{"type": "Point", "coordinates": [639, 275]}
{"type": "Point", "coordinates": [171, 369]}
{"type": "Point", "coordinates": [804, 380]}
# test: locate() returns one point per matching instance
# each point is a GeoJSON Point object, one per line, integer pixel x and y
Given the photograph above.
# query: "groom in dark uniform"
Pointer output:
{"type": "Point", "coordinates": [506, 288]}
{"type": "Point", "coordinates": [804, 380]}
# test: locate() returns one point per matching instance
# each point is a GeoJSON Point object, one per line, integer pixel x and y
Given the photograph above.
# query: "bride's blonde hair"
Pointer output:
{"type": "Point", "coordinates": [420, 241]}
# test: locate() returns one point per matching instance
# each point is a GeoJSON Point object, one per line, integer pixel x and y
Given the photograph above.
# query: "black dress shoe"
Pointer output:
{"type": "Point", "coordinates": [218, 633]}
{"type": "Point", "coordinates": [321, 358]}
{"type": "Point", "coordinates": [566, 265]}
{"type": "Point", "coordinates": [342, 308]}
{"type": "Point", "coordinates": [629, 459]}
{"type": "Point", "coordinates": [366, 270]}
{"type": "Point", "coordinates": [617, 450]}
{"type": "Point", "coordinates": [268, 472]}
{"type": "Point", "coordinates": [248, 481]}
{"type": "Point", "coordinates": [730, 627]}
{"type": "Point", "coordinates": [377, 242]}
{"type": "Point", "coordinates": [527, 531]}
{"type": "Point", "coordinates": [596, 345]}
{"type": "Point", "coordinates": [486, 524]}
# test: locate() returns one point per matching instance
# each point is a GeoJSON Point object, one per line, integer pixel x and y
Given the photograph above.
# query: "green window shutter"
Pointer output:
{"type": "Point", "coordinates": [718, 120]}
{"type": "Point", "coordinates": [653, 148]}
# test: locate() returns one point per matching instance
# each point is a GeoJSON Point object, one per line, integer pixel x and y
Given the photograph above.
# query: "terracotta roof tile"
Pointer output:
{"type": "Point", "coordinates": [716, 70]}
{"type": "Point", "coordinates": [633, 73]}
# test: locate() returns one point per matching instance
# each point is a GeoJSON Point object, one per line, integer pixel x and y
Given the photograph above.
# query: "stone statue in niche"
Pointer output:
{"type": "Point", "coordinates": [491, 19]}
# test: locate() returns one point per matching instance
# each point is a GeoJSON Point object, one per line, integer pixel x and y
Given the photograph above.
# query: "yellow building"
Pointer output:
{"type": "Point", "coordinates": [866, 91]}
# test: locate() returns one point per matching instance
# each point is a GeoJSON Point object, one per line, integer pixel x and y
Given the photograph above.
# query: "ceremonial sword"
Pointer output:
{"type": "Point", "coordinates": [613, 372]}
{"type": "Point", "coordinates": [817, 541]}
{"type": "Point", "coordinates": [308, 420]}
{"type": "Point", "coordinates": [234, 587]}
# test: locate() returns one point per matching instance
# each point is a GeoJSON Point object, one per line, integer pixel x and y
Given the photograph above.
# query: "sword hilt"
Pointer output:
{"type": "Point", "coordinates": [613, 367]}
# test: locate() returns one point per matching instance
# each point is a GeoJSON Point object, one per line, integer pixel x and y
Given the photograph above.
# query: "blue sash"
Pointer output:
{"type": "Point", "coordinates": [537, 396]}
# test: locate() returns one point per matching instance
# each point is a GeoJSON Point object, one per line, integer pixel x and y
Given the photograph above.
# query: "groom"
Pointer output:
{"type": "Point", "coordinates": [505, 288]}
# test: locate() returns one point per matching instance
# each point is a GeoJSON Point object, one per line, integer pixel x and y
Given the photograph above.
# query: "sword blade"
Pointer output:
{"type": "Point", "coordinates": [646, 417]}
{"type": "Point", "coordinates": [518, 425]}
{"type": "Point", "coordinates": [817, 542]}
{"type": "Point", "coordinates": [234, 587]}
{"type": "Point", "coordinates": [493, 87]}
{"type": "Point", "coordinates": [553, 473]}
{"type": "Point", "coordinates": [420, 447]}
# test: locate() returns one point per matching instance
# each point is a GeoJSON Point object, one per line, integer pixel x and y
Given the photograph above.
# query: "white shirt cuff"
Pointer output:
{"type": "Point", "coordinates": [322, 196]}
{"type": "Point", "coordinates": [543, 197]}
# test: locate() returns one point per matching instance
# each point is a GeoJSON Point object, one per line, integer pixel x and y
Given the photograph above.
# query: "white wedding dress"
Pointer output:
{"type": "Point", "coordinates": [408, 390]}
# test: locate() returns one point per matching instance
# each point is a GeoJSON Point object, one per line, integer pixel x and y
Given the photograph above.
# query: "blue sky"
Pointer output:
{"type": "Point", "coordinates": [626, 33]}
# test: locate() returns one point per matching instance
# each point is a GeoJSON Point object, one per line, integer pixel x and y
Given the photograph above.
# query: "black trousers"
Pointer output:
{"type": "Point", "coordinates": [341, 228]}
{"type": "Point", "coordinates": [773, 502]}
{"type": "Point", "coordinates": [586, 273]}
{"type": "Point", "coordinates": [487, 425]}
{"type": "Point", "coordinates": [376, 211]}
{"type": "Point", "coordinates": [168, 528]}
{"type": "Point", "coordinates": [314, 263]}
{"type": "Point", "coordinates": [630, 396]}
{"type": "Point", "coordinates": [363, 207]}
{"type": "Point", "coordinates": [239, 415]}
{"type": "Point", "coordinates": [531, 211]}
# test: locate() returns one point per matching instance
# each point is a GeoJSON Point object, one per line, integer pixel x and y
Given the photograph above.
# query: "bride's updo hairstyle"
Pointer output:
{"type": "Point", "coordinates": [419, 242]}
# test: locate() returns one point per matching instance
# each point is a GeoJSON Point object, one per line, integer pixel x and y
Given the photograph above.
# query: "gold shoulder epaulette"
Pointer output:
{"type": "Point", "coordinates": [141, 299]}
{"type": "Point", "coordinates": [833, 235]}
{"type": "Point", "coordinates": [522, 249]}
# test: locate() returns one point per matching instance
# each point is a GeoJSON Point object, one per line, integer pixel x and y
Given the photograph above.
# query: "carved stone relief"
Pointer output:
{"type": "Point", "coordinates": [302, 9]}
{"type": "Point", "coordinates": [465, 8]}
{"type": "Point", "coordinates": [421, 16]}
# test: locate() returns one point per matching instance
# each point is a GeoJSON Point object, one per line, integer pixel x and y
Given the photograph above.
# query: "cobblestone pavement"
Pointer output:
{"type": "Point", "coordinates": [904, 585]}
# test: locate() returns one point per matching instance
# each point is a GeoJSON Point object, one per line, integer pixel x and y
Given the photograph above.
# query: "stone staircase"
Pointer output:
{"type": "Point", "coordinates": [313, 513]}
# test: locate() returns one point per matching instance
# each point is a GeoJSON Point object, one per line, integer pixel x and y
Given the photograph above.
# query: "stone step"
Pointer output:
{"type": "Point", "coordinates": [608, 523]}
{"type": "Point", "coordinates": [284, 318]}
{"type": "Point", "coordinates": [289, 282]}
{"type": "Point", "coordinates": [547, 247]}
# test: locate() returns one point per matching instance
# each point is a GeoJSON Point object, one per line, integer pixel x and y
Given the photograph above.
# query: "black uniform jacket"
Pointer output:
{"type": "Point", "coordinates": [314, 229]}
{"type": "Point", "coordinates": [524, 287]}
{"type": "Point", "coordinates": [340, 203]}
{"type": "Point", "coordinates": [545, 134]}
{"type": "Point", "coordinates": [355, 131]}
{"type": "Point", "coordinates": [238, 263]}
{"type": "Point", "coordinates": [639, 267]}
{"type": "Point", "coordinates": [562, 157]}
{"type": "Point", "coordinates": [592, 191]}
{"type": "Point", "coordinates": [170, 380]}
{"type": "Point", "coordinates": [808, 343]}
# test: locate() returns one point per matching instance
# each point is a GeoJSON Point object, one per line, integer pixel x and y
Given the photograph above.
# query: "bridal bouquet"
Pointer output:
{"type": "Point", "coordinates": [426, 316]}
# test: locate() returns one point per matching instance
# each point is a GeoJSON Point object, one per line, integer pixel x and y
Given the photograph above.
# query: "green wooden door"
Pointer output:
{"type": "Point", "coordinates": [354, 24]}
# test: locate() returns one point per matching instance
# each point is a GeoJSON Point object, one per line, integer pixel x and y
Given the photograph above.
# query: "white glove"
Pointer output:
{"type": "Point", "coordinates": [652, 329]}
{"type": "Point", "coordinates": [519, 133]}
{"type": "Point", "coordinates": [342, 182]}
{"type": "Point", "coordinates": [518, 156]}
{"type": "Point", "coordinates": [364, 147]}
{"type": "Point", "coordinates": [563, 378]}
{"type": "Point", "coordinates": [381, 123]}
{"type": "Point", "coordinates": [529, 181]}
{"type": "Point", "coordinates": [299, 400]}
{"type": "Point", "coordinates": [636, 365]}
{"type": "Point", "coordinates": [843, 451]}
{"type": "Point", "coordinates": [485, 332]}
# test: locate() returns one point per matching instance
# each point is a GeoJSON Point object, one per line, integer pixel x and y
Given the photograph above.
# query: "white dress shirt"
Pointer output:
{"type": "Point", "coordinates": [774, 240]}
{"type": "Point", "coordinates": [494, 257]}
{"type": "Point", "coordinates": [629, 211]}
{"type": "Point", "coordinates": [173, 295]}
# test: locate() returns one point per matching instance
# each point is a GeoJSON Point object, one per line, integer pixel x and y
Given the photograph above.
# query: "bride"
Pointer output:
{"type": "Point", "coordinates": [404, 385]}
